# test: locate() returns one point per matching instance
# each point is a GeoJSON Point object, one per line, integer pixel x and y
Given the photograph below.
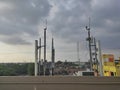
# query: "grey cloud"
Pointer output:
{"type": "Point", "coordinates": [68, 21]}
{"type": "Point", "coordinates": [107, 18]}
{"type": "Point", "coordinates": [110, 42]}
{"type": "Point", "coordinates": [23, 17]}
{"type": "Point", "coordinates": [15, 40]}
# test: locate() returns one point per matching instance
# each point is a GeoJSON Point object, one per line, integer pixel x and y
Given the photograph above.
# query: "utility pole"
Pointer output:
{"type": "Point", "coordinates": [36, 57]}
{"type": "Point", "coordinates": [96, 62]}
{"type": "Point", "coordinates": [100, 58]}
{"type": "Point", "coordinates": [39, 56]}
{"type": "Point", "coordinates": [89, 41]}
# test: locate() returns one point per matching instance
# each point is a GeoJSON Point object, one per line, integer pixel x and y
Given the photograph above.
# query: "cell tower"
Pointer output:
{"type": "Point", "coordinates": [38, 48]}
{"type": "Point", "coordinates": [89, 41]}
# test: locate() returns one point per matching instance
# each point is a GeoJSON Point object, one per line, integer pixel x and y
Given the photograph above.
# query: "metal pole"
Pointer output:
{"type": "Point", "coordinates": [40, 49]}
{"type": "Point", "coordinates": [44, 50]}
{"type": "Point", "coordinates": [54, 61]}
{"type": "Point", "coordinates": [89, 41]}
{"type": "Point", "coordinates": [39, 55]}
{"type": "Point", "coordinates": [78, 53]}
{"type": "Point", "coordinates": [96, 53]}
{"type": "Point", "coordinates": [36, 57]}
{"type": "Point", "coordinates": [52, 57]}
{"type": "Point", "coordinates": [100, 58]}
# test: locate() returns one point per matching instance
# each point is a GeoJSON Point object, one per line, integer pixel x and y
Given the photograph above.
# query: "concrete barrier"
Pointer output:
{"type": "Point", "coordinates": [59, 83]}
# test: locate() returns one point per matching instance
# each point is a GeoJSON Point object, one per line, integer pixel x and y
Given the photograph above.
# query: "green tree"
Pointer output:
{"type": "Point", "coordinates": [30, 69]}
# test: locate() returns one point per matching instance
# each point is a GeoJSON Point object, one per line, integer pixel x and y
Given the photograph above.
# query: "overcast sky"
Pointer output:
{"type": "Point", "coordinates": [23, 21]}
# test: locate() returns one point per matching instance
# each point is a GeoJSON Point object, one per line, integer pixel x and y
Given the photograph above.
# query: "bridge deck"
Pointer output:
{"type": "Point", "coordinates": [59, 83]}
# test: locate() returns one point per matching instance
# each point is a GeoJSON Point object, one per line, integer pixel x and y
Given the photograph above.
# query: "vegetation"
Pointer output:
{"type": "Point", "coordinates": [12, 69]}
{"type": "Point", "coordinates": [27, 69]}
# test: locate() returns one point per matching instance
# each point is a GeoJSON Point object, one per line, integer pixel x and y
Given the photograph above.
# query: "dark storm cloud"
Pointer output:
{"type": "Point", "coordinates": [21, 16]}
{"type": "Point", "coordinates": [72, 17]}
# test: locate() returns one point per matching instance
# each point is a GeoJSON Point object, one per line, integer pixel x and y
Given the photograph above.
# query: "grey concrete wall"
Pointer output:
{"type": "Point", "coordinates": [59, 83]}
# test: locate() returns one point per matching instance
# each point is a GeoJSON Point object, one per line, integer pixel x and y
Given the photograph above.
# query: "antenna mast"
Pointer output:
{"type": "Point", "coordinates": [78, 53]}
{"type": "Point", "coordinates": [89, 41]}
{"type": "Point", "coordinates": [45, 47]}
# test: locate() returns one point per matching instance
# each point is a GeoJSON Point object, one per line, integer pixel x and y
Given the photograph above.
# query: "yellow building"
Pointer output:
{"type": "Point", "coordinates": [109, 66]}
{"type": "Point", "coordinates": [118, 69]}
